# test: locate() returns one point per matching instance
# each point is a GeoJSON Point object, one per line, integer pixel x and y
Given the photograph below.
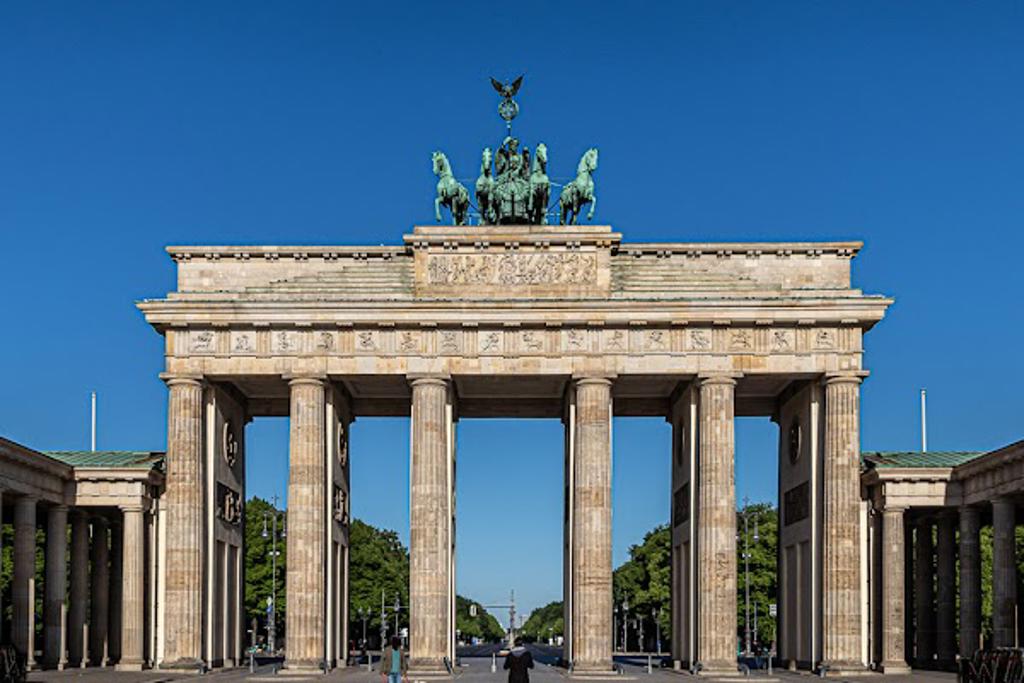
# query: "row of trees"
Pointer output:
{"type": "Point", "coordinates": [378, 566]}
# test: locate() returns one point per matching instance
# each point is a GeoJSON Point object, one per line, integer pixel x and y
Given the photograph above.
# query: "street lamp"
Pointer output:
{"type": "Point", "coordinates": [625, 624]}
{"type": "Point", "coordinates": [746, 569]}
{"type": "Point", "coordinates": [272, 599]}
{"type": "Point", "coordinates": [655, 613]}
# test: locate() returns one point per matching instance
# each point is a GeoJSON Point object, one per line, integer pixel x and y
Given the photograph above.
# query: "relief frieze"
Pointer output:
{"type": "Point", "coordinates": [547, 268]}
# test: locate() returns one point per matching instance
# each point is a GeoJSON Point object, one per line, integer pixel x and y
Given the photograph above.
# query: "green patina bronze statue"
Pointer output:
{"type": "Point", "coordinates": [450, 192]}
{"type": "Point", "coordinates": [580, 191]}
{"type": "Point", "coordinates": [517, 190]}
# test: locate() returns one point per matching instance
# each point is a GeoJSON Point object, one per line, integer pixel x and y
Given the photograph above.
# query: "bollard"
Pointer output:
{"type": "Point", "coordinates": [650, 668]}
{"type": "Point", "coordinates": [369, 661]}
{"type": "Point", "coordinates": [494, 663]}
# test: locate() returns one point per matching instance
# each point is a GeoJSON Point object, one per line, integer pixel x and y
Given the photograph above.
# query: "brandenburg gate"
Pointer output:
{"type": "Point", "coordinates": [568, 322]}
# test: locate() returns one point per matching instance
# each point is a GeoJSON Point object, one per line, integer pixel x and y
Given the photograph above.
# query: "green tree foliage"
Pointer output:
{"type": "Point", "coordinates": [544, 622]}
{"type": "Point", "coordinates": [377, 562]}
{"type": "Point", "coordinates": [259, 574]}
{"type": "Point", "coordinates": [761, 534]}
{"type": "Point", "coordinates": [483, 626]}
{"type": "Point", "coordinates": [644, 581]}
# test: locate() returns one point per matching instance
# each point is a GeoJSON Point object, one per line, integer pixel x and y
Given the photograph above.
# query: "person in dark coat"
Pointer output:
{"type": "Point", "coordinates": [518, 662]}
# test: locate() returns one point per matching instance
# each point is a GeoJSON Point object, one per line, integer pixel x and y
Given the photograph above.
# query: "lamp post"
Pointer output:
{"type": "Point", "coordinates": [272, 600]}
{"type": "Point", "coordinates": [746, 569]}
{"type": "Point", "coordinates": [655, 613]}
{"type": "Point", "coordinates": [625, 625]}
{"type": "Point", "coordinates": [615, 628]}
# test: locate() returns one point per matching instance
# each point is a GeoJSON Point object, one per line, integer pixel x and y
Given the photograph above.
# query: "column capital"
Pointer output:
{"type": "Point", "coordinates": [604, 380]}
{"type": "Point", "coordinates": [133, 507]}
{"type": "Point", "coordinates": [894, 509]}
{"type": "Point", "coordinates": [59, 508]}
{"type": "Point", "coordinates": [724, 378]}
{"type": "Point", "coordinates": [172, 379]}
{"type": "Point", "coordinates": [26, 499]}
{"type": "Point", "coordinates": [1003, 500]}
{"type": "Point", "coordinates": [847, 377]}
{"type": "Point", "coordinates": [312, 379]}
{"type": "Point", "coordinates": [429, 379]}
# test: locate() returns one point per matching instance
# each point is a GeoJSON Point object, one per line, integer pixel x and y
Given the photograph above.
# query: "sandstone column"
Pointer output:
{"type": "Point", "coordinates": [840, 576]}
{"type": "Point", "coordinates": [430, 516]}
{"type": "Point", "coordinates": [79, 599]}
{"type": "Point", "coordinates": [305, 625]}
{"type": "Point", "coordinates": [894, 658]}
{"type": "Point", "coordinates": [970, 580]}
{"type": "Point", "coordinates": [1, 555]}
{"type": "Point", "coordinates": [924, 594]}
{"type": "Point", "coordinates": [716, 527]}
{"type": "Point", "coordinates": [114, 622]}
{"type": "Point", "coordinates": [592, 527]}
{"type": "Point", "coordinates": [23, 587]}
{"type": "Point", "coordinates": [99, 593]}
{"type": "Point", "coordinates": [56, 586]}
{"type": "Point", "coordinates": [185, 543]}
{"type": "Point", "coordinates": [132, 592]}
{"type": "Point", "coordinates": [945, 598]}
{"type": "Point", "coordinates": [1004, 573]}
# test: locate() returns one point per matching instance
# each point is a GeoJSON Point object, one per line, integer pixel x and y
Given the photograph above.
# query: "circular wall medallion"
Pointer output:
{"type": "Point", "coordinates": [795, 440]}
{"type": "Point", "coordinates": [229, 443]}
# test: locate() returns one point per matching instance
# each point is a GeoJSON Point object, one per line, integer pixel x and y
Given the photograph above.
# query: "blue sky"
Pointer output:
{"type": "Point", "coordinates": [125, 127]}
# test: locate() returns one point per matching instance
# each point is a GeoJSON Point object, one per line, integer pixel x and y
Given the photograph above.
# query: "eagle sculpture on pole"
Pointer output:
{"type": "Point", "coordinates": [507, 90]}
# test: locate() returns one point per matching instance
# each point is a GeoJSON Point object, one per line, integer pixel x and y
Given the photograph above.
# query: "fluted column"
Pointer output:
{"type": "Point", "coordinates": [305, 621]}
{"type": "Point", "coordinates": [1004, 573]}
{"type": "Point", "coordinates": [840, 576]}
{"type": "Point", "coordinates": [23, 587]}
{"type": "Point", "coordinates": [185, 543]}
{"type": "Point", "coordinates": [133, 590]}
{"type": "Point", "coordinates": [2, 639]}
{"type": "Point", "coordinates": [970, 580]}
{"type": "Point", "coordinates": [716, 527]}
{"type": "Point", "coordinates": [894, 658]}
{"type": "Point", "coordinates": [56, 586]}
{"type": "Point", "coordinates": [592, 527]}
{"type": "Point", "coordinates": [924, 594]}
{"type": "Point", "coordinates": [99, 593]}
{"type": "Point", "coordinates": [945, 597]}
{"type": "Point", "coordinates": [430, 516]}
{"type": "Point", "coordinates": [79, 588]}
{"type": "Point", "coordinates": [116, 597]}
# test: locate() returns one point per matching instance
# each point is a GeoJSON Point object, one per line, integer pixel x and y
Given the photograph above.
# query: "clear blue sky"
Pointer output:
{"type": "Point", "coordinates": [128, 126]}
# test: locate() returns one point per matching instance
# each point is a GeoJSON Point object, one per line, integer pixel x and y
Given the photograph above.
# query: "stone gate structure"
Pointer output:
{"type": "Point", "coordinates": [517, 321]}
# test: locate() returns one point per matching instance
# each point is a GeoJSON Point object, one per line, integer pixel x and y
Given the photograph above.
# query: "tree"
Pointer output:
{"type": "Point", "coordinates": [762, 522]}
{"type": "Point", "coordinates": [644, 581]}
{"type": "Point", "coordinates": [483, 626]}
{"type": "Point", "coordinates": [260, 577]}
{"type": "Point", "coordinates": [378, 562]}
{"type": "Point", "coordinates": [544, 622]}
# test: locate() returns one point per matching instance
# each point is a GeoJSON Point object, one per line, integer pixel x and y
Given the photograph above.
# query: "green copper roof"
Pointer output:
{"type": "Point", "coordinates": [133, 459]}
{"type": "Point", "coordinates": [918, 459]}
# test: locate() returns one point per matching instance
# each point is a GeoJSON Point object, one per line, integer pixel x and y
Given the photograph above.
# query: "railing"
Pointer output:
{"type": "Point", "coordinates": [998, 665]}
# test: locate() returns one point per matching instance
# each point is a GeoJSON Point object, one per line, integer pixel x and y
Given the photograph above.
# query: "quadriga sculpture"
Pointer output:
{"type": "Point", "coordinates": [485, 189]}
{"type": "Point", "coordinates": [540, 187]}
{"type": "Point", "coordinates": [450, 192]}
{"type": "Point", "coordinates": [579, 192]}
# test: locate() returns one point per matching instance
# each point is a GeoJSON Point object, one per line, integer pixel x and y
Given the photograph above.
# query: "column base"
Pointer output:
{"type": "Point", "coordinates": [718, 667]}
{"type": "Point", "coordinates": [184, 665]}
{"type": "Point", "coordinates": [303, 666]}
{"type": "Point", "coordinates": [845, 668]}
{"type": "Point", "coordinates": [894, 668]}
{"type": "Point", "coordinates": [128, 666]}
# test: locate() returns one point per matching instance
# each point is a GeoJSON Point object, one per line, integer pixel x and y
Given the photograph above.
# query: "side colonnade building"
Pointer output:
{"type": "Point", "coordinates": [927, 511]}
{"type": "Point", "coordinates": [97, 513]}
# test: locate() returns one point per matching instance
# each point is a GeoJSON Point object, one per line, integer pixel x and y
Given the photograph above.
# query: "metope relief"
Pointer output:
{"type": "Point", "coordinates": [782, 341]}
{"type": "Point", "coordinates": [560, 268]}
{"type": "Point", "coordinates": [490, 341]}
{"type": "Point", "coordinates": [284, 341]}
{"type": "Point", "coordinates": [202, 342]}
{"type": "Point", "coordinates": [449, 341]}
{"type": "Point", "coordinates": [325, 342]}
{"type": "Point", "coordinates": [243, 341]}
{"type": "Point", "coordinates": [699, 339]}
{"type": "Point", "coordinates": [615, 340]}
{"type": "Point", "coordinates": [409, 341]}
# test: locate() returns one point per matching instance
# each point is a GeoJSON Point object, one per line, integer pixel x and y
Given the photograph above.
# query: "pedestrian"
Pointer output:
{"type": "Point", "coordinates": [518, 662]}
{"type": "Point", "coordinates": [394, 663]}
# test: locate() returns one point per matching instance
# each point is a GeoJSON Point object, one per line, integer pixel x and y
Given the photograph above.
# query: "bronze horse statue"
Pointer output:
{"type": "Point", "coordinates": [580, 192]}
{"type": "Point", "coordinates": [485, 189]}
{"type": "Point", "coordinates": [540, 187]}
{"type": "Point", "coordinates": [450, 192]}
